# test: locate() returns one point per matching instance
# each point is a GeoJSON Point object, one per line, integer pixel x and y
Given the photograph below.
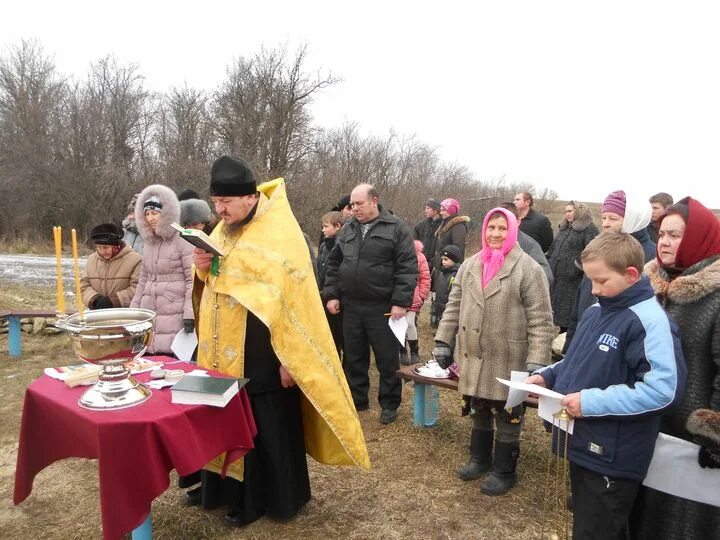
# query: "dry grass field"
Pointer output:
{"type": "Point", "coordinates": [411, 490]}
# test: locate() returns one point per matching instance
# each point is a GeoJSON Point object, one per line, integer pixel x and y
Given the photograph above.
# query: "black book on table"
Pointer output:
{"type": "Point", "coordinates": [206, 390]}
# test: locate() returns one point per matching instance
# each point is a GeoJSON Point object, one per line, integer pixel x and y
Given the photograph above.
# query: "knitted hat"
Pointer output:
{"type": "Point", "coordinates": [451, 206]}
{"type": "Point", "coordinates": [153, 203]}
{"type": "Point", "coordinates": [615, 202]}
{"type": "Point", "coordinates": [194, 211]}
{"type": "Point", "coordinates": [342, 203]}
{"type": "Point", "coordinates": [232, 177]}
{"type": "Point", "coordinates": [452, 252]}
{"type": "Point", "coordinates": [106, 234]}
{"type": "Point", "coordinates": [433, 203]}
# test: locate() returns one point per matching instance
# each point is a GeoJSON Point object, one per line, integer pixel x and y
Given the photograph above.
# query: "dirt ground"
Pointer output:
{"type": "Point", "coordinates": [411, 490]}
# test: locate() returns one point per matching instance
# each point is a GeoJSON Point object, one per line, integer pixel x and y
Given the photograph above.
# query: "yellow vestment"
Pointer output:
{"type": "Point", "coordinates": [267, 270]}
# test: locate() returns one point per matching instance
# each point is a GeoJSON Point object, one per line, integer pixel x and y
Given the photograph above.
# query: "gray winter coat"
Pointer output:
{"type": "Point", "coordinates": [166, 281]}
{"type": "Point", "coordinates": [498, 329]}
{"type": "Point", "coordinates": [565, 250]}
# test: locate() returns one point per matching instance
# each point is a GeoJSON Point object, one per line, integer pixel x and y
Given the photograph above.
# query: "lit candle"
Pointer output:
{"type": "Point", "coordinates": [57, 234]}
{"type": "Point", "coordinates": [77, 275]}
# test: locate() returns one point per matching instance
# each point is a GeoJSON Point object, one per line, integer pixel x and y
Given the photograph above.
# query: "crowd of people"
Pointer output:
{"type": "Point", "coordinates": [638, 301]}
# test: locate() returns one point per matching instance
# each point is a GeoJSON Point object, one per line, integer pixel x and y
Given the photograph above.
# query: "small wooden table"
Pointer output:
{"type": "Point", "coordinates": [421, 383]}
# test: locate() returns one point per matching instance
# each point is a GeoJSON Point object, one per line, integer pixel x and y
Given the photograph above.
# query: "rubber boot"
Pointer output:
{"type": "Point", "coordinates": [503, 476]}
{"type": "Point", "coordinates": [414, 356]}
{"type": "Point", "coordinates": [481, 445]}
{"type": "Point", "coordinates": [404, 358]}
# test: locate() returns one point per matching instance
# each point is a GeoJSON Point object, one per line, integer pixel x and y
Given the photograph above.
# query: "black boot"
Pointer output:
{"type": "Point", "coordinates": [404, 359]}
{"type": "Point", "coordinates": [481, 445]}
{"type": "Point", "coordinates": [414, 357]}
{"type": "Point", "coordinates": [503, 477]}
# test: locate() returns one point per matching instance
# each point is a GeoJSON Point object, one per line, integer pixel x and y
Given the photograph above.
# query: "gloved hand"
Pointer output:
{"type": "Point", "coordinates": [101, 302]}
{"type": "Point", "coordinates": [188, 326]}
{"type": "Point", "coordinates": [532, 368]}
{"type": "Point", "coordinates": [709, 457]}
{"type": "Point", "coordinates": [442, 354]}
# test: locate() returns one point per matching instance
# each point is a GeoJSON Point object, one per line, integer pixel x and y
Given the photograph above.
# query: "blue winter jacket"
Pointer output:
{"type": "Point", "coordinates": [627, 364]}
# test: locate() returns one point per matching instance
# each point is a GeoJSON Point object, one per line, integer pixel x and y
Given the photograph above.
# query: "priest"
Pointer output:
{"type": "Point", "coordinates": [260, 316]}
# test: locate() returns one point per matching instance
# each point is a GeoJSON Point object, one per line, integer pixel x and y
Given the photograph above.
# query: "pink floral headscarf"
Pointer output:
{"type": "Point", "coordinates": [451, 206]}
{"type": "Point", "coordinates": [493, 259]}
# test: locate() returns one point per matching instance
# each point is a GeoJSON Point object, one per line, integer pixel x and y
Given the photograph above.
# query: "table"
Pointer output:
{"type": "Point", "coordinates": [136, 447]}
{"type": "Point", "coordinates": [421, 384]}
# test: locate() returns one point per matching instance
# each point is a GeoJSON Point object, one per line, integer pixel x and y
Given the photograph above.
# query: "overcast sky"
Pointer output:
{"type": "Point", "coordinates": [581, 97]}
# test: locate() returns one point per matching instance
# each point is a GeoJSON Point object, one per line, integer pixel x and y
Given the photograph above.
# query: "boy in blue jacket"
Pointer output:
{"type": "Point", "coordinates": [623, 368]}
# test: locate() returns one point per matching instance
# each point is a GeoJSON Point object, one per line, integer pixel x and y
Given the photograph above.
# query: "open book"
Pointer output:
{"type": "Point", "coordinates": [199, 239]}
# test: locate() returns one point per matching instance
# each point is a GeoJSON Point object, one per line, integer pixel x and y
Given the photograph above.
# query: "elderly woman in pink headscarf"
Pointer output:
{"type": "Point", "coordinates": [498, 319]}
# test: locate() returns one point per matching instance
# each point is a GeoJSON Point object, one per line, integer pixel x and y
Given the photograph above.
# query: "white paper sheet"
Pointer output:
{"type": "Point", "coordinates": [515, 396]}
{"type": "Point", "coordinates": [399, 328]}
{"type": "Point", "coordinates": [548, 402]}
{"type": "Point", "coordinates": [674, 469]}
{"type": "Point", "coordinates": [184, 344]}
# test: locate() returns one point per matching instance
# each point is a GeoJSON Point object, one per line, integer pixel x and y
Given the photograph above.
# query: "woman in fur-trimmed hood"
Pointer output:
{"type": "Point", "coordinates": [686, 279]}
{"type": "Point", "coordinates": [452, 232]}
{"type": "Point", "coordinates": [165, 285]}
{"type": "Point", "coordinates": [576, 231]}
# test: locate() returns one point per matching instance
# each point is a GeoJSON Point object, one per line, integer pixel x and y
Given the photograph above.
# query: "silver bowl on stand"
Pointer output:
{"type": "Point", "coordinates": [111, 338]}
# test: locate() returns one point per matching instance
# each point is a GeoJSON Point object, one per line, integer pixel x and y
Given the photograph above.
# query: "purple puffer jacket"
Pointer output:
{"type": "Point", "coordinates": [165, 284]}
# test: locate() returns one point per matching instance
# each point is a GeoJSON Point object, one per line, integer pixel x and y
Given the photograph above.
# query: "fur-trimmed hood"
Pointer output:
{"type": "Point", "coordinates": [170, 213]}
{"type": "Point", "coordinates": [705, 423]}
{"type": "Point", "coordinates": [693, 284]}
{"type": "Point", "coordinates": [583, 218]}
{"type": "Point", "coordinates": [450, 223]}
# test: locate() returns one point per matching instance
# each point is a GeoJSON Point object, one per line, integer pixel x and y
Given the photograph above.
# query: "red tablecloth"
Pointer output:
{"type": "Point", "coordinates": [136, 447]}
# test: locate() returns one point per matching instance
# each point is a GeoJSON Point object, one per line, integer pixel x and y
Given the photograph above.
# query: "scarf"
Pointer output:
{"type": "Point", "coordinates": [493, 259]}
{"type": "Point", "coordinates": [701, 238]}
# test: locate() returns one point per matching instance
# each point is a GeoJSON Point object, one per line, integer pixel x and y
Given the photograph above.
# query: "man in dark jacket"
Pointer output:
{"type": "Point", "coordinates": [426, 229]}
{"type": "Point", "coordinates": [533, 223]}
{"type": "Point", "coordinates": [372, 272]}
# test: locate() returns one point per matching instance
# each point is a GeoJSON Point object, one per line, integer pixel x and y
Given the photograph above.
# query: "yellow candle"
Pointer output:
{"type": "Point", "coordinates": [57, 233]}
{"type": "Point", "coordinates": [77, 274]}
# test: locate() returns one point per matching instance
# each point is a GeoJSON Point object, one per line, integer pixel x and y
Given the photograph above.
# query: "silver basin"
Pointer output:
{"type": "Point", "coordinates": [111, 338]}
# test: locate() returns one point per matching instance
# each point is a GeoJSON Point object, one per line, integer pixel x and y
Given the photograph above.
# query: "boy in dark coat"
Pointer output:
{"type": "Point", "coordinates": [450, 259]}
{"type": "Point", "coordinates": [331, 224]}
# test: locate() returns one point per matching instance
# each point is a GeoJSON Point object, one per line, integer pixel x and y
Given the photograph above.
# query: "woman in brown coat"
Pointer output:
{"type": "Point", "coordinates": [500, 319]}
{"type": "Point", "coordinates": [112, 272]}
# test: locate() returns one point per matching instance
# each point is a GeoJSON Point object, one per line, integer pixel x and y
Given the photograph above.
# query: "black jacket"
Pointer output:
{"type": "Point", "coordinates": [321, 261]}
{"type": "Point", "coordinates": [444, 279]}
{"type": "Point", "coordinates": [425, 232]}
{"type": "Point", "coordinates": [381, 268]}
{"type": "Point", "coordinates": [537, 226]}
{"type": "Point", "coordinates": [453, 232]}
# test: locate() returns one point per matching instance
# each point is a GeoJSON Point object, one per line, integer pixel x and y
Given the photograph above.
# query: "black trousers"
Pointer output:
{"type": "Point", "coordinates": [602, 504]}
{"type": "Point", "coordinates": [365, 326]}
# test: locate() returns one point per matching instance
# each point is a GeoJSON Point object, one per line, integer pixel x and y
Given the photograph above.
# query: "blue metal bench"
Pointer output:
{"type": "Point", "coordinates": [14, 331]}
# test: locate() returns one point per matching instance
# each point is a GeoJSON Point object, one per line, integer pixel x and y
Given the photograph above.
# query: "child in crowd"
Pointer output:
{"type": "Point", "coordinates": [332, 222]}
{"type": "Point", "coordinates": [422, 291]}
{"type": "Point", "coordinates": [624, 367]}
{"type": "Point", "coordinates": [112, 273]}
{"type": "Point", "coordinates": [450, 259]}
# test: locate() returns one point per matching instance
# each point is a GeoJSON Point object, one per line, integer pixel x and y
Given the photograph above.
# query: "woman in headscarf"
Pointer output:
{"type": "Point", "coordinates": [499, 319]}
{"type": "Point", "coordinates": [686, 280]}
{"type": "Point", "coordinates": [166, 280]}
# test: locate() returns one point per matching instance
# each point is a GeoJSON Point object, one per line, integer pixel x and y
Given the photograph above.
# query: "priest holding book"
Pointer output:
{"type": "Point", "coordinates": [259, 316]}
